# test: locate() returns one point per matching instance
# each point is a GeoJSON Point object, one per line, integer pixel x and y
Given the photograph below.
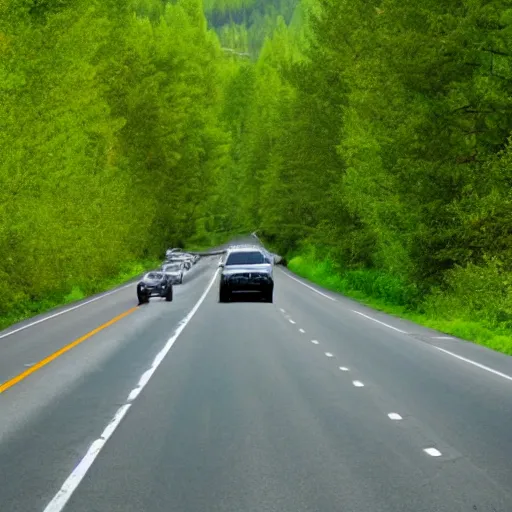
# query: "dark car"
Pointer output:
{"type": "Point", "coordinates": [174, 271]}
{"type": "Point", "coordinates": [246, 270]}
{"type": "Point", "coordinates": [154, 284]}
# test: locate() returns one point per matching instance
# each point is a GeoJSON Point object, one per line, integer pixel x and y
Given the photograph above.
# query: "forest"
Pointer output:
{"type": "Point", "coordinates": [369, 143]}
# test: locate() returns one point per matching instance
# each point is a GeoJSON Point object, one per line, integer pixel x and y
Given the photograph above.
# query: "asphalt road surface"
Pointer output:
{"type": "Point", "coordinates": [313, 403]}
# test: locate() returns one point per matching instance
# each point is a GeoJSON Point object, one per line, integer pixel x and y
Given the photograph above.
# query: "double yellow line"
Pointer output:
{"type": "Point", "coordinates": [12, 382]}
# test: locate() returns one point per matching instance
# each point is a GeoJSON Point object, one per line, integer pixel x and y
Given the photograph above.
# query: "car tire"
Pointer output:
{"type": "Point", "coordinates": [269, 297]}
{"type": "Point", "coordinates": [168, 295]}
{"type": "Point", "coordinates": [223, 295]}
{"type": "Point", "coordinates": [143, 298]}
{"type": "Point", "coordinates": [181, 279]}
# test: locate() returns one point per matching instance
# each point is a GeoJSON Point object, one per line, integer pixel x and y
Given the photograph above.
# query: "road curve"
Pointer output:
{"type": "Point", "coordinates": [313, 403]}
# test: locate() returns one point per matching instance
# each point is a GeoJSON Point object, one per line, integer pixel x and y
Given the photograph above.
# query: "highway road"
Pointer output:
{"type": "Point", "coordinates": [312, 403]}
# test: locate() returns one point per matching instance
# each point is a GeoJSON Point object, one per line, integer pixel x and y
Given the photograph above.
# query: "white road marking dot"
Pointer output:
{"type": "Point", "coordinates": [291, 321]}
{"type": "Point", "coordinates": [432, 452]}
{"type": "Point", "coordinates": [394, 416]}
{"type": "Point", "coordinates": [343, 369]}
{"type": "Point", "coordinates": [67, 489]}
{"type": "Point", "coordinates": [358, 383]}
{"type": "Point", "coordinates": [378, 321]}
{"type": "Point", "coordinates": [282, 310]}
{"type": "Point", "coordinates": [310, 287]}
{"type": "Point", "coordinates": [302, 331]}
{"type": "Point", "coordinates": [315, 342]}
{"type": "Point", "coordinates": [328, 354]}
{"type": "Point", "coordinates": [478, 365]}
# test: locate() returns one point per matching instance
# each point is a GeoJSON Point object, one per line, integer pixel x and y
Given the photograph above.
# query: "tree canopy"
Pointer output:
{"type": "Point", "coordinates": [378, 134]}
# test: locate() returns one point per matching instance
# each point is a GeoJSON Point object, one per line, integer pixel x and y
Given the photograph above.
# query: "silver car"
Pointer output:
{"type": "Point", "coordinates": [174, 271]}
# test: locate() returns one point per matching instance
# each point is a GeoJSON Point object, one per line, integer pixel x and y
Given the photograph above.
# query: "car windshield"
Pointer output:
{"type": "Point", "coordinates": [245, 258]}
{"type": "Point", "coordinates": [171, 268]}
{"type": "Point", "coordinates": [154, 275]}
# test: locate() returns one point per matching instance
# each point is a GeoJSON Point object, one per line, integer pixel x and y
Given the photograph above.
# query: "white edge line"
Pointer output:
{"type": "Point", "coordinates": [328, 354]}
{"type": "Point", "coordinates": [315, 342]}
{"type": "Point", "coordinates": [310, 287]}
{"type": "Point", "coordinates": [394, 416]}
{"type": "Point", "coordinates": [344, 369]}
{"type": "Point", "coordinates": [302, 331]}
{"type": "Point", "coordinates": [474, 363]}
{"type": "Point", "coordinates": [291, 321]}
{"type": "Point", "coordinates": [358, 384]}
{"type": "Point", "coordinates": [73, 481]}
{"type": "Point", "coordinates": [378, 321]}
{"type": "Point", "coordinates": [64, 311]}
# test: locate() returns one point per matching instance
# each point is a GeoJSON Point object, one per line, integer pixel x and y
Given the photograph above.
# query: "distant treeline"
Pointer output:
{"type": "Point", "coordinates": [244, 24]}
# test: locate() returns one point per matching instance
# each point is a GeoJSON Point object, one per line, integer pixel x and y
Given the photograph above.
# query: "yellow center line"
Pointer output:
{"type": "Point", "coordinates": [12, 382]}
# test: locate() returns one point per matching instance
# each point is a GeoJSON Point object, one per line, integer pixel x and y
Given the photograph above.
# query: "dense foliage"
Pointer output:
{"type": "Point", "coordinates": [373, 135]}
{"type": "Point", "coordinates": [377, 136]}
{"type": "Point", "coordinates": [108, 135]}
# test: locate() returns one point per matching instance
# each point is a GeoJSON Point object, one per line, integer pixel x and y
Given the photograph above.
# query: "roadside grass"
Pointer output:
{"type": "Point", "coordinates": [389, 294]}
{"type": "Point", "coordinates": [25, 310]}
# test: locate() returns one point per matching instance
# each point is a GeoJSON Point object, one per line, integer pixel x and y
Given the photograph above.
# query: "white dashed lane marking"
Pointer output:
{"type": "Point", "coordinates": [433, 452]}
{"type": "Point", "coordinates": [394, 416]}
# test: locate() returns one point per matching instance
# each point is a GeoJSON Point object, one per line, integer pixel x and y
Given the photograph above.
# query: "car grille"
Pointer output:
{"type": "Point", "coordinates": [249, 277]}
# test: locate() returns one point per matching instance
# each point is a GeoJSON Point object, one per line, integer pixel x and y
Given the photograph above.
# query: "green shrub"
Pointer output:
{"type": "Point", "coordinates": [476, 304]}
{"type": "Point", "coordinates": [371, 283]}
{"type": "Point", "coordinates": [75, 294]}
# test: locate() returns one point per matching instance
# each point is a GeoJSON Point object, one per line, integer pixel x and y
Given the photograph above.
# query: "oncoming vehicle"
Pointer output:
{"type": "Point", "coordinates": [186, 259]}
{"type": "Point", "coordinates": [255, 247]}
{"type": "Point", "coordinates": [174, 271]}
{"type": "Point", "coordinates": [170, 252]}
{"type": "Point", "coordinates": [154, 284]}
{"type": "Point", "coordinates": [246, 270]}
